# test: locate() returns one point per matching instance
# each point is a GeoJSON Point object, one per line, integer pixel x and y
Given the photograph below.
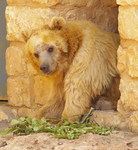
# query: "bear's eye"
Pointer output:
{"type": "Point", "coordinates": [50, 49]}
{"type": "Point", "coordinates": [36, 55]}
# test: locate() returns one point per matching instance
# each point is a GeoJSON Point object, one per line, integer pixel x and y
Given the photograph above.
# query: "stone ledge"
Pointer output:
{"type": "Point", "coordinates": [6, 115]}
{"type": "Point", "coordinates": [114, 119]}
{"type": "Point", "coordinates": [109, 119]}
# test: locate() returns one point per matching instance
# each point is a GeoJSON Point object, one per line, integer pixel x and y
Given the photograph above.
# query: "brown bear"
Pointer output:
{"type": "Point", "coordinates": [79, 61]}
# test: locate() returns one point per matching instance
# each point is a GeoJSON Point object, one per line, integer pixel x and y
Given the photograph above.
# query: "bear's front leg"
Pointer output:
{"type": "Point", "coordinates": [53, 111]}
{"type": "Point", "coordinates": [78, 96]}
{"type": "Point", "coordinates": [78, 83]}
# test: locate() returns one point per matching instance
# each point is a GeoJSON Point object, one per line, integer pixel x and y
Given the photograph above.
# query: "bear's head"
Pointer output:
{"type": "Point", "coordinates": [47, 48]}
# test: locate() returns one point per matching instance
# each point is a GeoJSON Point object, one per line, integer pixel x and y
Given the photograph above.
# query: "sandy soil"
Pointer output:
{"type": "Point", "coordinates": [118, 140]}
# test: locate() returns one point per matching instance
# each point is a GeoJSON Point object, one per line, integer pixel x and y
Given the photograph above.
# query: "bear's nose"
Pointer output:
{"type": "Point", "coordinates": [44, 68]}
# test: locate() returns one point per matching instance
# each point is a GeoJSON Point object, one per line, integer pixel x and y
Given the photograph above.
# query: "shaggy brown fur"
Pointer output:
{"type": "Point", "coordinates": [80, 60]}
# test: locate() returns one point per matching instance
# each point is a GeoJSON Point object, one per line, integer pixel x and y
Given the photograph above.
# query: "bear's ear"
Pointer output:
{"type": "Point", "coordinates": [57, 23]}
{"type": "Point", "coordinates": [26, 35]}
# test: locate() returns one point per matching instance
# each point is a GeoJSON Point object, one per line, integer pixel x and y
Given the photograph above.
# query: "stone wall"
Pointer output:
{"type": "Point", "coordinates": [27, 89]}
{"type": "Point", "coordinates": [127, 115]}
{"type": "Point", "coordinates": [128, 62]}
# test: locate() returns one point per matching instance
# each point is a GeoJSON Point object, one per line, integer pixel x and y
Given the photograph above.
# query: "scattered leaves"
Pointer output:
{"type": "Point", "coordinates": [66, 130]}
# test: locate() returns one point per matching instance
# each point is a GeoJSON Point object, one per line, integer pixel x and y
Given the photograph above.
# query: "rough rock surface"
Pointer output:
{"type": "Point", "coordinates": [128, 28]}
{"type": "Point", "coordinates": [6, 115]}
{"type": "Point", "coordinates": [22, 20]}
{"type": "Point", "coordinates": [43, 141]}
{"type": "Point", "coordinates": [127, 2]}
{"type": "Point", "coordinates": [50, 3]}
{"type": "Point", "coordinates": [109, 118]}
{"type": "Point", "coordinates": [128, 62]}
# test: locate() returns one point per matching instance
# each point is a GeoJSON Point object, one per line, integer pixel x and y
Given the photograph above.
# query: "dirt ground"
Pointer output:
{"type": "Point", "coordinates": [118, 140]}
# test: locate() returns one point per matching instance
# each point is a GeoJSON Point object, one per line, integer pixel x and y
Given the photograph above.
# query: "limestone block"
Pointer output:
{"type": "Point", "coordinates": [15, 61]}
{"type": "Point", "coordinates": [127, 2]}
{"type": "Point", "coordinates": [133, 64]}
{"type": "Point", "coordinates": [18, 90]}
{"type": "Point", "coordinates": [34, 3]}
{"type": "Point", "coordinates": [109, 119]}
{"type": "Point", "coordinates": [133, 122]}
{"type": "Point", "coordinates": [129, 96]}
{"type": "Point", "coordinates": [128, 57]}
{"type": "Point", "coordinates": [122, 59]}
{"type": "Point", "coordinates": [128, 22]}
{"type": "Point", "coordinates": [46, 3]}
{"type": "Point", "coordinates": [42, 89]}
{"type": "Point", "coordinates": [132, 56]}
{"type": "Point", "coordinates": [23, 20]}
{"type": "Point", "coordinates": [51, 3]}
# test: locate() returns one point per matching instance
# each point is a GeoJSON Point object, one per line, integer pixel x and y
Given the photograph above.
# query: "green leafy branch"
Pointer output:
{"type": "Point", "coordinates": [66, 130]}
